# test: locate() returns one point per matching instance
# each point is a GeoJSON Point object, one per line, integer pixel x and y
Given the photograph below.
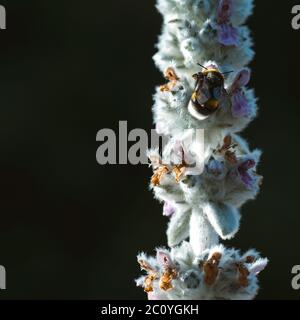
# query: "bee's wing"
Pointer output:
{"type": "Point", "coordinates": [203, 92]}
{"type": "Point", "coordinates": [217, 92]}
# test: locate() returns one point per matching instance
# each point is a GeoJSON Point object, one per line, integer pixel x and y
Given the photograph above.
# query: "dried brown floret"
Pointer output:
{"type": "Point", "coordinates": [211, 268]}
{"type": "Point", "coordinates": [158, 174]}
{"type": "Point", "coordinates": [149, 282]}
{"type": "Point", "coordinates": [243, 274]}
{"type": "Point", "coordinates": [179, 171]}
{"type": "Point", "coordinates": [172, 77]}
{"type": "Point", "coordinates": [227, 150]}
{"type": "Point", "coordinates": [165, 282]}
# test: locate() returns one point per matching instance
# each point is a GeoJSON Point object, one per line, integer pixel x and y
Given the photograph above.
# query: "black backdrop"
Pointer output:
{"type": "Point", "coordinates": [70, 228]}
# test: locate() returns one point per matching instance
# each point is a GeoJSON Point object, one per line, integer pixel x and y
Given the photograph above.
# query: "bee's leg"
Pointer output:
{"type": "Point", "coordinates": [194, 96]}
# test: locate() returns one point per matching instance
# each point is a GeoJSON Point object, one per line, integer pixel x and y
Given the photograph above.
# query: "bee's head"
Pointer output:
{"type": "Point", "coordinates": [214, 77]}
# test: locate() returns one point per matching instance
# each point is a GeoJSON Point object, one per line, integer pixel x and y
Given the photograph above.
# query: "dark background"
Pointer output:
{"type": "Point", "coordinates": [70, 228]}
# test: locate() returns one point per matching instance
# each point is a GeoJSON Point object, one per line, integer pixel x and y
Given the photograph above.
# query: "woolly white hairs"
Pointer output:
{"type": "Point", "coordinates": [218, 273]}
{"type": "Point", "coordinates": [197, 31]}
{"type": "Point", "coordinates": [203, 200]}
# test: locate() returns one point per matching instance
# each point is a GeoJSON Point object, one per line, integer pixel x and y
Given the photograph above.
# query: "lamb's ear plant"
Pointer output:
{"type": "Point", "coordinates": [203, 52]}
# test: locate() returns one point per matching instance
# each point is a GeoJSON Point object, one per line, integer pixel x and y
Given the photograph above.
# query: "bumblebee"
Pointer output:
{"type": "Point", "coordinates": [209, 89]}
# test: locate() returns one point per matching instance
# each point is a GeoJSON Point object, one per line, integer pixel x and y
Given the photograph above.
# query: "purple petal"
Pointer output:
{"type": "Point", "coordinates": [245, 176]}
{"type": "Point", "coordinates": [156, 296]}
{"type": "Point", "coordinates": [246, 179]}
{"type": "Point", "coordinates": [259, 265]}
{"type": "Point", "coordinates": [153, 296]}
{"type": "Point", "coordinates": [246, 165]}
{"type": "Point", "coordinates": [240, 105]}
{"type": "Point", "coordinates": [168, 209]}
{"type": "Point", "coordinates": [224, 11]}
{"type": "Point", "coordinates": [241, 80]}
{"type": "Point", "coordinates": [227, 35]}
{"type": "Point", "coordinates": [164, 259]}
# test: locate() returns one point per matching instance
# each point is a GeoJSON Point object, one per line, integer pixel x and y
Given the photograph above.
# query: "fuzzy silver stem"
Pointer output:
{"type": "Point", "coordinates": [202, 234]}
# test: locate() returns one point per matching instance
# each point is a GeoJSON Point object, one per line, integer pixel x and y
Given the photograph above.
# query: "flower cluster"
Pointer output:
{"type": "Point", "coordinates": [228, 180]}
{"type": "Point", "coordinates": [218, 273]}
{"type": "Point", "coordinates": [199, 30]}
{"type": "Point", "coordinates": [202, 183]}
{"type": "Point", "coordinates": [237, 107]}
